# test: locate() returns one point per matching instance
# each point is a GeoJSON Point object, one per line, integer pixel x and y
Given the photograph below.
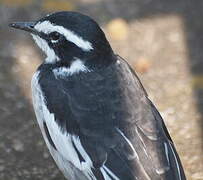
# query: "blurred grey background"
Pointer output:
{"type": "Point", "coordinates": [161, 39]}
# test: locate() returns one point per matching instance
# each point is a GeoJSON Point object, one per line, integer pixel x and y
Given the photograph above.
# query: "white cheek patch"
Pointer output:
{"type": "Point", "coordinates": [48, 27]}
{"type": "Point", "coordinates": [76, 67]}
{"type": "Point", "coordinates": [51, 55]}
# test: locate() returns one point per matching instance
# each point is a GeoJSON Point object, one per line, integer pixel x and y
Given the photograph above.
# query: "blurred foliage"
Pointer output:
{"type": "Point", "coordinates": [60, 5]}
{"type": "Point", "coordinates": [197, 81]}
{"type": "Point", "coordinates": [47, 5]}
{"type": "Point", "coordinates": [16, 2]}
{"type": "Point", "coordinates": [118, 29]}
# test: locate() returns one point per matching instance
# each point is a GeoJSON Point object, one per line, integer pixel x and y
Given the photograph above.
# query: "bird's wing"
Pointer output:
{"type": "Point", "coordinates": [147, 134]}
{"type": "Point", "coordinates": [110, 128]}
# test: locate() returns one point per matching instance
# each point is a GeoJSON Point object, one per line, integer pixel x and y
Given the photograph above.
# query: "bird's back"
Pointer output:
{"type": "Point", "coordinates": [118, 127]}
{"type": "Point", "coordinates": [94, 114]}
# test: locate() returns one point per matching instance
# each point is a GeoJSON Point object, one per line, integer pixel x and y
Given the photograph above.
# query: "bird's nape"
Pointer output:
{"type": "Point", "coordinates": [94, 114]}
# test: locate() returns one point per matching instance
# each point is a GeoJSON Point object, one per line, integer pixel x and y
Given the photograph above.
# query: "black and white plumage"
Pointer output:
{"type": "Point", "coordinates": [94, 113]}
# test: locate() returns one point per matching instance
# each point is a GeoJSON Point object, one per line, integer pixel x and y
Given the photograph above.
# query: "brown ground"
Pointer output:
{"type": "Point", "coordinates": [162, 40]}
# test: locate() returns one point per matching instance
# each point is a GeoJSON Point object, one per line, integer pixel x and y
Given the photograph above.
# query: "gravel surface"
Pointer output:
{"type": "Point", "coordinates": [162, 40]}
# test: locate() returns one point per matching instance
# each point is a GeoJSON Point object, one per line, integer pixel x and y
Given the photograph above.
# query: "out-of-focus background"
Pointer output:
{"type": "Point", "coordinates": [162, 40]}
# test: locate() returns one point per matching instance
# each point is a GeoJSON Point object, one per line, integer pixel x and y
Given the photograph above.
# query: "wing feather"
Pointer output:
{"type": "Point", "coordinates": [119, 128]}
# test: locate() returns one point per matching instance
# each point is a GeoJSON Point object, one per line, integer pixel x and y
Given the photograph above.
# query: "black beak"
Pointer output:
{"type": "Point", "coordinates": [26, 26]}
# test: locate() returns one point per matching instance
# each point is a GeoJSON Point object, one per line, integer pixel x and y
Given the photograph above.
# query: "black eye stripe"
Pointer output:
{"type": "Point", "coordinates": [54, 36]}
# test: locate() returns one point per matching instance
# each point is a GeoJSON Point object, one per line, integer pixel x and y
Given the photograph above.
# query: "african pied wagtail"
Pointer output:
{"type": "Point", "coordinates": [94, 113]}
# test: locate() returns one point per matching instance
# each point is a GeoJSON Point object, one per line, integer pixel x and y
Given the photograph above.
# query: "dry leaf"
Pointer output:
{"type": "Point", "coordinates": [142, 65]}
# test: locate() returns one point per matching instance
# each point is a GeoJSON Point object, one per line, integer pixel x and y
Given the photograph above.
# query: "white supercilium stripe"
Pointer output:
{"type": "Point", "coordinates": [48, 27]}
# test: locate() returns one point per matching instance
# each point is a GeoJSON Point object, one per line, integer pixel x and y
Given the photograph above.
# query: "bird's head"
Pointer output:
{"type": "Point", "coordinates": [66, 37]}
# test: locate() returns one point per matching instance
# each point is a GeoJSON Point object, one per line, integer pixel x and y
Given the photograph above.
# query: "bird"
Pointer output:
{"type": "Point", "coordinates": [95, 116]}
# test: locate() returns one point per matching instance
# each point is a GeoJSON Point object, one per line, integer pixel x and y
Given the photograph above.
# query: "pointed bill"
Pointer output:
{"type": "Point", "coordinates": [26, 26]}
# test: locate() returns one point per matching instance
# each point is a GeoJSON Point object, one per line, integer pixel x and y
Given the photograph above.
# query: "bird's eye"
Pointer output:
{"type": "Point", "coordinates": [54, 36]}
